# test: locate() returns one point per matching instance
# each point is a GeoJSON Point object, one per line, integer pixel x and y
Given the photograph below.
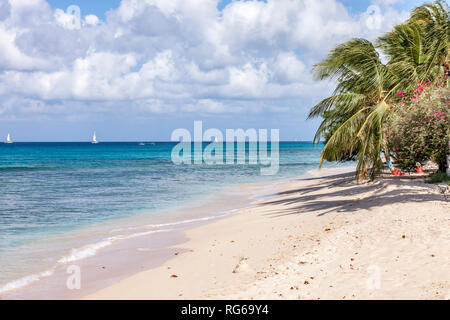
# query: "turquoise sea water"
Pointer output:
{"type": "Point", "coordinates": [49, 189]}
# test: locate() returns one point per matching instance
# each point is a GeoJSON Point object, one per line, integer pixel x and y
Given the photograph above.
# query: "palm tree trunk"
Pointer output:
{"type": "Point", "coordinates": [448, 161]}
{"type": "Point", "coordinates": [387, 156]}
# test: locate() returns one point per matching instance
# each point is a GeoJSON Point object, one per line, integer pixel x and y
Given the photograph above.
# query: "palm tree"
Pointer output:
{"type": "Point", "coordinates": [366, 87]}
{"type": "Point", "coordinates": [434, 19]}
{"type": "Point", "coordinates": [363, 87]}
{"type": "Point", "coordinates": [418, 49]}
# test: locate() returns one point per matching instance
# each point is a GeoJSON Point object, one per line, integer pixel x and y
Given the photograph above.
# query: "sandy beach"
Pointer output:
{"type": "Point", "coordinates": [319, 236]}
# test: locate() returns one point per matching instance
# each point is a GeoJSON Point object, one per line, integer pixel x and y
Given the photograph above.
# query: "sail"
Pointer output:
{"type": "Point", "coordinates": [94, 138]}
{"type": "Point", "coordinates": [8, 138]}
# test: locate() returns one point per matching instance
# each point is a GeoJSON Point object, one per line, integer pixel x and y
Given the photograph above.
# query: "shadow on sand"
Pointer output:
{"type": "Point", "coordinates": [321, 197]}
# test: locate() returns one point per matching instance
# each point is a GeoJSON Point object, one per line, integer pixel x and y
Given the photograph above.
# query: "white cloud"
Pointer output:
{"type": "Point", "coordinates": [12, 58]}
{"type": "Point", "coordinates": [166, 56]}
{"type": "Point", "coordinates": [288, 68]}
{"type": "Point", "coordinates": [66, 20]}
{"type": "Point", "coordinates": [91, 20]}
{"type": "Point", "coordinates": [211, 106]}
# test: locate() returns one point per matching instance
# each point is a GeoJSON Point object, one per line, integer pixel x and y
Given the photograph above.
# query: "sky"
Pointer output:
{"type": "Point", "coordinates": [136, 70]}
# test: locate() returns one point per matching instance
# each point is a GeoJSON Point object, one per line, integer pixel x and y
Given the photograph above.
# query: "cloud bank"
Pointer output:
{"type": "Point", "coordinates": [174, 57]}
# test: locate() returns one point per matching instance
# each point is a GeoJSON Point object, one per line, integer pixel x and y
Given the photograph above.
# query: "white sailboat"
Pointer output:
{"type": "Point", "coordinates": [94, 139]}
{"type": "Point", "coordinates": [8, 139]}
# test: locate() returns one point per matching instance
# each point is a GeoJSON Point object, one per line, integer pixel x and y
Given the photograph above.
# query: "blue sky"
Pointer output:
{"type": "Point", "coordinates": [137, 70]}
{"type": "Point", "coordinates": [99, 7]}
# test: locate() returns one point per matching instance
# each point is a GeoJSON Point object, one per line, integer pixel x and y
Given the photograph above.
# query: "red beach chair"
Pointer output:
{"type": "Point", "coordinates": [397, 172]}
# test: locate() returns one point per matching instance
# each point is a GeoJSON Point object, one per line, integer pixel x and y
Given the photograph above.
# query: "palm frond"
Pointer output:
{"type": "Point", "coordinates": [354, 115]}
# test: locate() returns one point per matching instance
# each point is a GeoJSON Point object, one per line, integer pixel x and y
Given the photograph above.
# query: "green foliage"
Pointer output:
{"type": "Point", "coordinates": [355, 116]}
{"type": "Point", "coordinates": [418, 129]}
{"type": "Point", "coordinates": [439, 177]}
{"type": "Point", "coordinates": [335, 122]}
{"type": "Point", "coordinates": [363, 81]}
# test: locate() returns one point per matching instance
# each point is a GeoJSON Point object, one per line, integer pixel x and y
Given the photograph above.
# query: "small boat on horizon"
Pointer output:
{"type": "Point", "coordinates": [94, 139]}
{"type": "Point", "coordinates": [8, 139]}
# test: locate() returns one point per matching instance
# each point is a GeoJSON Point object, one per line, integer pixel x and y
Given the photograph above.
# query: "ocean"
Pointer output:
{"type": "Point", "coordinates": [64, 202]}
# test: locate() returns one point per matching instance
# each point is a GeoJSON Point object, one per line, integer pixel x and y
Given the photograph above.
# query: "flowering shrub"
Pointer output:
{"type": "Point", "coordinates": [419, 126]}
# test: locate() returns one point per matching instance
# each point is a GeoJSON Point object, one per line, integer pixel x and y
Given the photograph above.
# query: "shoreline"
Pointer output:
{"type": "Point", "coordinates": [249, 251]}
{"type": "Point", "coordinates": [320, 237]}
{"type": "Point", "coordinates": [133, 239]}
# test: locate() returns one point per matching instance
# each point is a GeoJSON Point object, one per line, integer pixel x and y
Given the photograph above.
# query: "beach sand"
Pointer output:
{"type": "Point", "coordinates": [320, 237]}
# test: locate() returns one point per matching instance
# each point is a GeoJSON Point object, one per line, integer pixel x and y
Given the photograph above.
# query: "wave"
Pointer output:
{"type": "Point", "coordinates": [91, 249]}
{"type": "Point", "coordinates": [176, 223]}
{"type": "Point", "coordinates": [84, 252]}
{"type": "Point", "coordinates": [75, 255]}
{"type": "Point", "coordinates": [22, 282]}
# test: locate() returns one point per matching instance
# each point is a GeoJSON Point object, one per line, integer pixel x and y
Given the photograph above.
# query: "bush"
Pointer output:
{"type": "Point", "coordinates": [439, 177]}
{"type": "Point", "coordinates": [419, 127]}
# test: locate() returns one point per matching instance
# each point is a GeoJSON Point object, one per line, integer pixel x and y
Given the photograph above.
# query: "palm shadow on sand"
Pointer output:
{"type": "Point", "coordinates": [319, 198]}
